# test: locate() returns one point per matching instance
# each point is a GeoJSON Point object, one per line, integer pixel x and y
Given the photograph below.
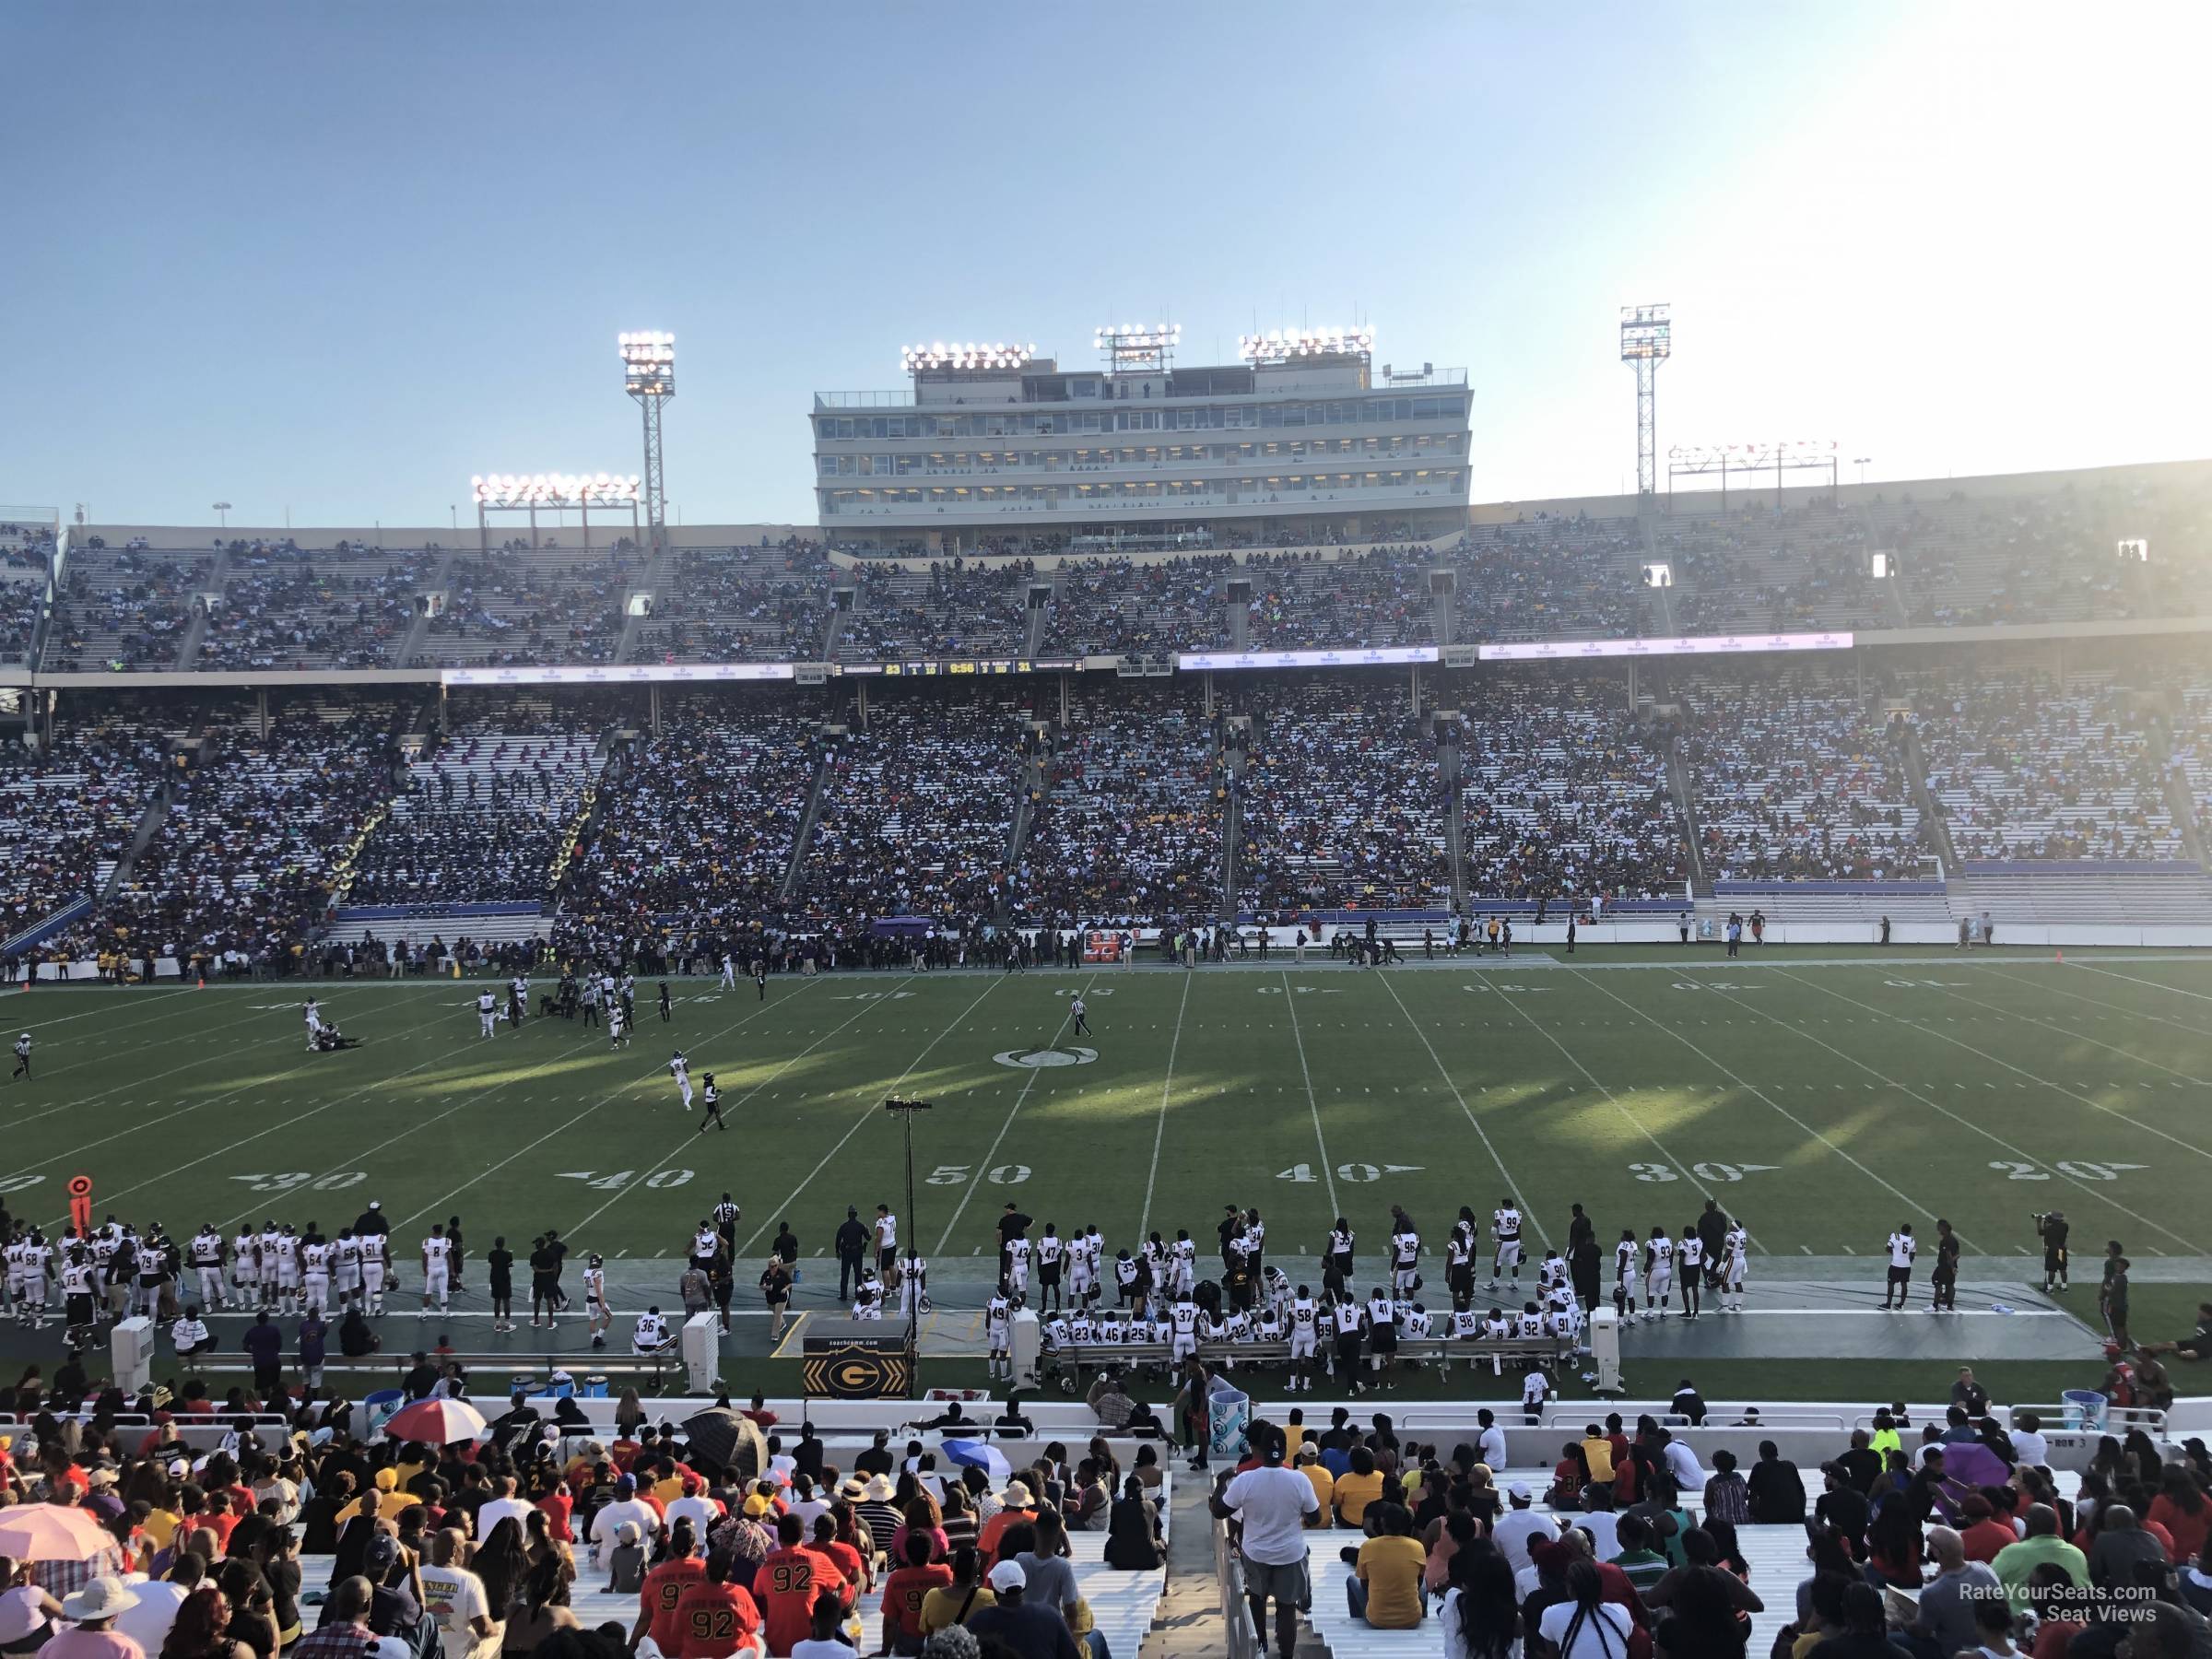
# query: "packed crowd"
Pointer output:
{"type": "Point", "coordinates": [2028, 766]}
{"type": "Point", "coordinates": [698, 823]}
{"type": "Point", "coordinates": [1378, 598]}
{"type": "Point", "coordinates": [283, 608]}
{"type": "Point", "coordinates": [2192, 743]}
{"type": "Point", "coordinates": [520, 607]}
{"type": "Point", "coordinates": [1550, 578]}
{"type": "Point", "coordinates": [741, 604]}
{"type": "Point", "coordinates": [484, 816]}
{"type": "Point", "coordinates": [1950, 1539]}
{"type": "Point", "coordinates": [1131, 828]}
{"type": "Point", "coordinates": [26, 573]}
{"type": "Point", "coordinates": [255, 841]}
{"type": "Point", "coordinates": [953, 609]}
{"type": "Point", "coordinates": [1341, 803]}
{"type": "Point", "coordinates": [1766, 570]}
{"type": "Point", "coordinates": [1112, 605]}
{"type": "Point", "coordinates": [1795, 781]}
{"type": "Point", "coordinates": [917, 813]}
{"type": "Point", "coordinates": [1564, 795]}
{"type": "Point", "coordinates": [62, 813]}
{"type": "Point", "coordinates": [126, 609]}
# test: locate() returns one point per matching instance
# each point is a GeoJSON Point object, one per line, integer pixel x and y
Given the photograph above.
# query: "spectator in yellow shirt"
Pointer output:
{"type": "Point", "coordinates": [1357, 1488]}
{"type": "Point", "coordinates": [1325, 1483]}
{"type": "Point", "coordinates": [1597, 1452]}
{"type": "Point", "coordinates": [1385, 1590]}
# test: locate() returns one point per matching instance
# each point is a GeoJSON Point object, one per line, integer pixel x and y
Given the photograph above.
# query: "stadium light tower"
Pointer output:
{"type": "Point", "coordinates": [649, 375]}
{"type": "Point", "coordinates": [1646, 341]}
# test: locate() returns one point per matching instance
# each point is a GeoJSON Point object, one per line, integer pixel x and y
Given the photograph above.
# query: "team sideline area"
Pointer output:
{"type": "Point", "coordinates": [1822, 1099]}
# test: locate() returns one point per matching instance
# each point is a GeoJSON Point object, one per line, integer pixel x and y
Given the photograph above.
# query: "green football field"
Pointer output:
{"type": "Point", "coordinates": [1823, 1096]}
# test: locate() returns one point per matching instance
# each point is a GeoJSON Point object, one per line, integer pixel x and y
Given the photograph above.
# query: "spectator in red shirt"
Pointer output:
{"type": "Point", "coordinates": [2182, 1508]}
{"type": "Point", "coordinates": [664, 1588]}
{"type": "Point", "coordinates": [903, 1593]}
{"type": "Point", "coordinates": [1983, 1535]}
{"type": "Point", "coordinates": [715, 1618]}
{"type": "Point", "coordinates": [786, 1583]}
{"type": "Point", "coordinates": [851, 1567]}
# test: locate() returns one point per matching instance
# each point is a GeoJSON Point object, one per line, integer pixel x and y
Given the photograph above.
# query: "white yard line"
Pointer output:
{"type": "Point", "coordinates": [2074, 1036]}
{"type": "Point", "coordinates": [107, 1006]}
{"type": "Point", "coordinates": [1895, 1192]}
{"type": "Point", "coordinates": [395, 1142]}
{"type": "Point", "coordinates": [2072, 1094]}
{"type": "Point", "coordinates": [1929, 1101]}
{"type": "Point", "coordinates": [225, 1058]}
{"type": "Point", "coordinates": [1473, 1123]}
{"type": "Point", "coordinates": [692, 1134]}
{"type": "Point", "coordinates": [569, 1123]}
{"type": "Point", "coordinates": [2136, 978]}
{"type": "Point", "coordinates": [1013, 1112]}
{"type": "Point", "coordinates": [1328, 1170]}
{"type": "Point", "coordinates": [2098, 1001]}
{"type": "Point", "coordinates": [873, 1107]}
{"type": "Point", "coordinates": [1688, 1171]}
{"type": "Point", "coordinates": [1160, 1129]}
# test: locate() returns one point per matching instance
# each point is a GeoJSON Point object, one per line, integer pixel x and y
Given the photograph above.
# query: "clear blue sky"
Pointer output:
{"type": "Point", "coordinates": [339, 257]}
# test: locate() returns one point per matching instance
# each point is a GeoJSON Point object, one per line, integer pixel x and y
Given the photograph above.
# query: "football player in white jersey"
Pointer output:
{"type": "Point", "coordinates": [1405, 1256]}
{"type": "Point", "coordinates": [78, 1277]}
{"type": "Point", "coordinates": [17, 1300]}
{"type": "Point", "coordinates": [596, 1312]}
{"type": "Point", "coordinates": [651, 1335]}
{"type": "Point", "coordinates": [1735, 1247]}
{"type": "Point", "coordinates": [1628, 1278]}
{"type": "Point", "coordinates": [1346, 1317]}
{"type": "Point", "coordinates": [681, 1069]}
{"type": "Point", "coordinates": [1902, 1247]}
{"type": "Point", "coordinates": [1082, 1272]}
{"type": "Point", "coordinates": [1183, 1318]}
{"type": "Point", "coordinates": [913, 1285]}
{"type": "Point", "coordinates": [1182, 1263]}
{"type": "Point", "coordinates": [375, 1270]}
{"type": "Point", "coordinates": [488, 1012]}
{"type": "Point", "coordinates": [1459, 1258]}
{"type": "Point", "coordinates": [1337, 1260]}
{"type": "Point", "coordinates": [1505, 1228]}
{"type": "Point", "coordinates": [282, 1249]}
{"type": "Point", "coordinates": [1690, 1254]}
{"type": "Point", "coordinates": [314, 1274]}
{"type": "Point", "coordinates": [1018, 1269]}
{"type": "Point", "coordinates": [206, 1252]}
{"type": "Point", "coordinates": [518, 999]}
{"type": "Point", "coordinates": [249, 1271]}
{"type": "Point", "coordinates": [1304, 1329]}
{"type": "Point", "coordinates": [152, 1263]}
{"type": "Point", "coordinates": [37, 1255]}
{"type": "Point", "coordinates": [1658, 1271]}
{"type": "Point", "coordinates": [437, 1270]}
{"type": "Point", "coordinates": [998, 1323]}
{"type": "Point", "coordinates": [345, 1266]}
{"type": "Point", "coordinates": [313, 1013]}
{"type": "Point", "coordinates": [1414, 1321]}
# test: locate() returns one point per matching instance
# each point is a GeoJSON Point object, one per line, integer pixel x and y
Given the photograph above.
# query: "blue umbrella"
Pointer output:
{"type": "Point", "coordinates": [976, 1455]}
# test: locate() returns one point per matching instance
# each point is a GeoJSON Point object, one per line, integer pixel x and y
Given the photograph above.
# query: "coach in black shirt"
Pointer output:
{"type": "Point", "coordinates": [852, 1250]}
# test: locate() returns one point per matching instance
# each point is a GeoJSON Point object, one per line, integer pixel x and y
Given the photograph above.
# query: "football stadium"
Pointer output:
{"type": "Point", "coordinates": [1128, 1005]}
